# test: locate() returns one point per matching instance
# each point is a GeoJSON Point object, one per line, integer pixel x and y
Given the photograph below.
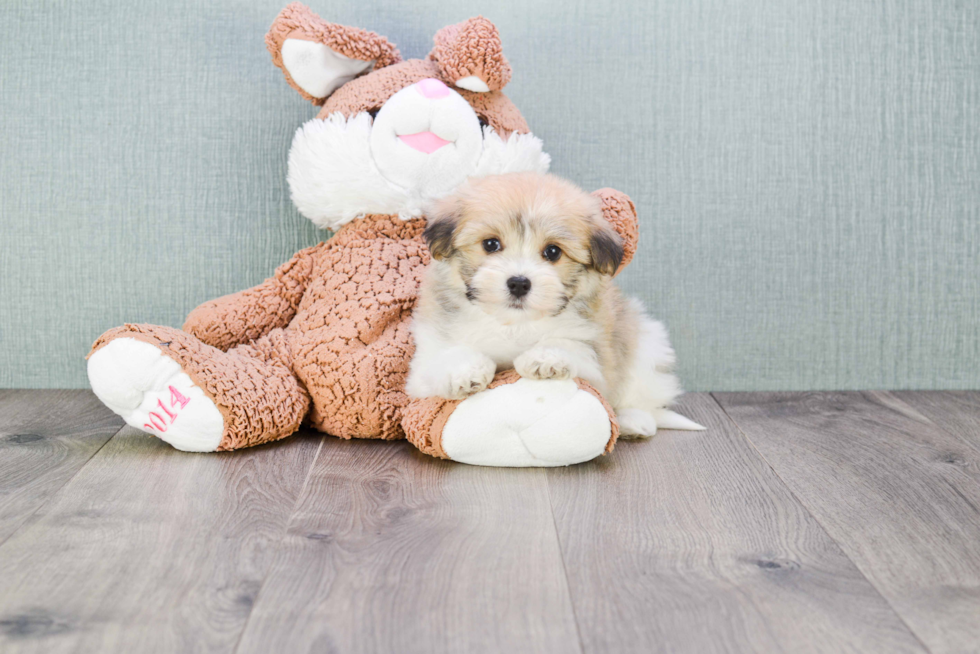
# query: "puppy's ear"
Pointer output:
{"type": "Point", "coordinates": [620, 212]}
{"type": "Point", "coordinates": [442, 220]}
{"type": "Point", "coordinates": [605, 247]}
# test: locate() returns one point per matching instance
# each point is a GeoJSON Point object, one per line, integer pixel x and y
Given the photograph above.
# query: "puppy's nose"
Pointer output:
{"type": "Point", "coordinates": [432, 88]}
{"type": "Point", "coordinates": [519, 286]}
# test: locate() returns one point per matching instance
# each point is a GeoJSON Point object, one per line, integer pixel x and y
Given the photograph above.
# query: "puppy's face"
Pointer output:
{"type": "Point", "coordinates": [524, 246]}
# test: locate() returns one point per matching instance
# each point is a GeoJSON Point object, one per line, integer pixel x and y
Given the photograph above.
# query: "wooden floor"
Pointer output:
{"type": "Point", "coordinates": [799, 522]}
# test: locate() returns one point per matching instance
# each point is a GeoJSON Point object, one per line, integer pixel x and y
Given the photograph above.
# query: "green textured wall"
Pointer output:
{"type": "Point", "coordinates": [807, 173]}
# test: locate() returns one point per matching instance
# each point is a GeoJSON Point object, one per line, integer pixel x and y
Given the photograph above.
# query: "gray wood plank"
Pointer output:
{"type": "Point", "coordinates": [150, 549]}
{"type": "Point", "coordinates": [899, 494]}
{"type": "Point", "coordinates": [689, 542]}
{"type": "Point", "coordinates": [45, 437]}
{"type": "Point", "coordinates": [393, 551]}
{"type": "Point", "coordinates": [958, 412]}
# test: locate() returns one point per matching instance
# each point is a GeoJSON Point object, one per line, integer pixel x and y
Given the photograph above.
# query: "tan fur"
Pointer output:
{"type": "Point", "coordinates": [619, 325]}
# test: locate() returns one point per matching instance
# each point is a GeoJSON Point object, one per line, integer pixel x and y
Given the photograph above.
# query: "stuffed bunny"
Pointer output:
{"type": "Point", "coordinates": [325, 341]}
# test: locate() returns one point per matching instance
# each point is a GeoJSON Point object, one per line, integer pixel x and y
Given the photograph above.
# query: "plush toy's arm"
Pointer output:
{"type": "Point", "coordinates": [250, 314]}
{"type": "Point", "coordinates": [620, 211]}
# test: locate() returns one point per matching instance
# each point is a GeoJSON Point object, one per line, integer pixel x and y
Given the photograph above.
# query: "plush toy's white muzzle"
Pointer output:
{"type": "Point", "coordinates": [426, 138]}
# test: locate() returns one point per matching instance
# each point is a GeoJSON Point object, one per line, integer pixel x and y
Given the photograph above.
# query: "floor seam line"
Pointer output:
{"type": "Point", "coordinates": [282, 538]}
{"type": "Point", "coordinates": [952, 434]}
{"type": "Point", "coordinates": [561, 558]}
{"type": "Point", "coordinates": [60, 488]}
{"type": "Point", "coordinates": [823, 528]}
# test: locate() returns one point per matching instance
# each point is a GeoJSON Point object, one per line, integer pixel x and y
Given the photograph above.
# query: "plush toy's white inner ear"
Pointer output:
{"type": "Point", "coordinates": [472, 83]}
{"type": "Point", "coordinates": [317, 69]}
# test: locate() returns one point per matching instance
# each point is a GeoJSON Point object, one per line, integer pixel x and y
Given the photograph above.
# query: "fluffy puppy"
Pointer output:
{"type": "Point", "coordinates": [521, 277]}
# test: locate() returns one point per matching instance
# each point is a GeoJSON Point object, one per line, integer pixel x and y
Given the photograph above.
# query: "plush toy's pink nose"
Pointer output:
{"type": "Point", "coordinates": [432, 88]}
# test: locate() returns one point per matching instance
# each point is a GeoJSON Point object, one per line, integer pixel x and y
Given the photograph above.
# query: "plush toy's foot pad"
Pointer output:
{"type": "Point", "coordinates": [528, 423]}
{"type": "Point", "coordinates": [151, 392]}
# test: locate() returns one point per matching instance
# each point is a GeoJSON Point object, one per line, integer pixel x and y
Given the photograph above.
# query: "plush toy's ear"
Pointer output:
{"type": "Point", "coordinates": [620, 212]}
{"type": "Point", "coordinates": [318, 57]}
{"type": "Point", "coordinates": [470, 54]}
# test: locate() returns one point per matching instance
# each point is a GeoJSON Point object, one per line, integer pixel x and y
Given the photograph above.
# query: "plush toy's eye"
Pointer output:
{"type": "Point", "coordinates": [491, 245]}
{"type": "Point", "coordinates": [552, 252]}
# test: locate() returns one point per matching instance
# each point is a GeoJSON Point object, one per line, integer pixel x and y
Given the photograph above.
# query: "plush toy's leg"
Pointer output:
{"type": "Point", "coordinates": [194, 396]}
{"type": "Point", "coordinates": [515, 423]}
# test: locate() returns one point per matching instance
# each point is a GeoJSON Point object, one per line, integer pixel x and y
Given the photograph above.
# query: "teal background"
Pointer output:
{"type": "Point", "coordinates": [807, 173]}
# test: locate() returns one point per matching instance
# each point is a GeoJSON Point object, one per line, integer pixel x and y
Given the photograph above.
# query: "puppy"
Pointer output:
{"type": "Point", "coordinates": [521, 277]}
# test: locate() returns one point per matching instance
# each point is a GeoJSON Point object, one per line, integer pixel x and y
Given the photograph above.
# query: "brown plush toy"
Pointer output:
{"type": "Point", "coordinates": [325, 341]}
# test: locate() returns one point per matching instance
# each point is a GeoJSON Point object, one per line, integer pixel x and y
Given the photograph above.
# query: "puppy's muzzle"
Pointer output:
{"type": "Point", "coordinates": [519, 286]}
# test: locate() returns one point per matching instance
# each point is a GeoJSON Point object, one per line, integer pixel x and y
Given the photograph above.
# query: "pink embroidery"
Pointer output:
{"type": "Point", "coordinates": [157, 421]}
{"type": "Point", "coordinates": [177, 402]}
{"type": "Point", "coordinates": [173, 416]}
{"type": "Point", "coordinates": [176, 398]}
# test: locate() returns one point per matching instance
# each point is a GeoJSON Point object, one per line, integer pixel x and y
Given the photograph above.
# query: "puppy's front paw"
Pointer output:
{"type": "Point", "coordinates": [469, 376]}
{"type": "Point", "coordinates": [545, 363]}
{"type": "Point", "coordinates": [452, 376]}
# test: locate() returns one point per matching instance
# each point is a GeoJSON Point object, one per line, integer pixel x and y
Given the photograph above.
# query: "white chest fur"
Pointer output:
{"type": "Point", "coordinates": [504, 342]}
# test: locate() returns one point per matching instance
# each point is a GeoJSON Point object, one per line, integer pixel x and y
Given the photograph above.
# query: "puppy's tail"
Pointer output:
{"type": "Point", "coordinates": [667, 419]}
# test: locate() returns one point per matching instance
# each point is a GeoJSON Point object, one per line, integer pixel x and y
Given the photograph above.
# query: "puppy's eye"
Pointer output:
{"type": "Point", "coordinates": [552, 253]}
{"type": "Point", "coordinates": [374, 113]}
{"type": "Point", "coordinates": [483, 122]}
{"type": "Point", "coordinates": [491, 245]}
